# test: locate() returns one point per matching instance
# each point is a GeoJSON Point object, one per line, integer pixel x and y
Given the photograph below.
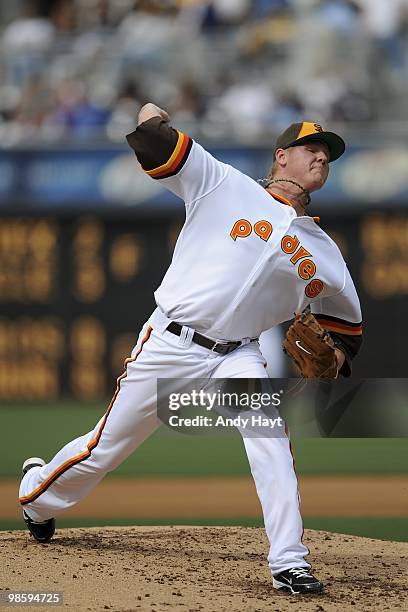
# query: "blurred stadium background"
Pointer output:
{"type": "Point", "coordinates": [85, 237]}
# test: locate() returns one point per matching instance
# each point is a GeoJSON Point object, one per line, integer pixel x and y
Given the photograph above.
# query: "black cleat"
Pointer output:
{"type": "Point", "coordinates": [42, 532]}
{"type": "Point", "coordinates": [297, 580]}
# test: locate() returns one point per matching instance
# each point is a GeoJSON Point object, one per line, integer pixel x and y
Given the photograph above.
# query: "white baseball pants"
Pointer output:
{"type": "Point", "coordinates": [131, 417]}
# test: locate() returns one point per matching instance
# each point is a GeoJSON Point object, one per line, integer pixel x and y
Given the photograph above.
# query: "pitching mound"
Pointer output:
{"type": "Point", "coordinates": [210, 569]}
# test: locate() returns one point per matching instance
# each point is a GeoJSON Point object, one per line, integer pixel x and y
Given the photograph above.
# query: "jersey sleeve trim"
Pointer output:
{"type": "Point", "coordinates": [176, 161]}
{"type": "Point", "coordinates": [333, 324]}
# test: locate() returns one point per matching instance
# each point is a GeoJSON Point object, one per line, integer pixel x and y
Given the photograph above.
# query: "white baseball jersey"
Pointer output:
{"type": "Point", "coordinates": [244, 261]}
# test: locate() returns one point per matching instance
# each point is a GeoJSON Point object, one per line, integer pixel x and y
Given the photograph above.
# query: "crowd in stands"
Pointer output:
{"type": "Point", "coordinates": [227, 69]}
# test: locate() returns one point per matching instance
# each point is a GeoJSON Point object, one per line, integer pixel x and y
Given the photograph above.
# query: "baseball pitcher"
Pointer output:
{"type": "Point", "coordinates": [248, 257]}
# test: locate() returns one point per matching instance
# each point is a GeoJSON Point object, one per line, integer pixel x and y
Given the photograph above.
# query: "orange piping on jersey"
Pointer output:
{"type": "Point", "coordinates": [171, 169]}
{"type": "Point", "coordinates": [173, 160]}
{"type": "Point", "coordinates": [92, 444]}
{"type": "Point", "coordinates": [172, 157]}
{"type": "Point", "coordinates": [341, 328]}
{"type": "Point", "coordinates": [281, 199]}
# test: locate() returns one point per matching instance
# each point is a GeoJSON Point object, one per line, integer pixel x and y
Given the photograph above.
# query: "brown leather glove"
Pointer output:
{"type": "Point", "coordinates": [311, 347]}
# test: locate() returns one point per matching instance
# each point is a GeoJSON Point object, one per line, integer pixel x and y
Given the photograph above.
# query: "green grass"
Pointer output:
{"type": "Point", "coordinates": [395, 529]}
{"type": "Point", "coordinates": [43, 430]}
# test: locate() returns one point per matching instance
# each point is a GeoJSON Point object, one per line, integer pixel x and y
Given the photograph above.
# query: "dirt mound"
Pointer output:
{"type": "Point", "coordinates": [190, 569]}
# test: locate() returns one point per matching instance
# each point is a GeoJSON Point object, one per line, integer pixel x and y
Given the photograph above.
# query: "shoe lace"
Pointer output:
{"type": "Point", "coordinates": [300, 572]}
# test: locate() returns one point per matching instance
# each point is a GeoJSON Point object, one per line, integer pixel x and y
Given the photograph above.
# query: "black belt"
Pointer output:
{"type": "Point", "coordinates": [219, 347]}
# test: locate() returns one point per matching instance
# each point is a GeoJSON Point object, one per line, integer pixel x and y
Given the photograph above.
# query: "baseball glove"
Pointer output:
{"type": "Point", "coordinates": [311, 347]}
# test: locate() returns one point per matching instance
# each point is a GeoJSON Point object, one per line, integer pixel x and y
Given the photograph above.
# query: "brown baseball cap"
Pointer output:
{"type": "Point", "coordinates": [299, 133]}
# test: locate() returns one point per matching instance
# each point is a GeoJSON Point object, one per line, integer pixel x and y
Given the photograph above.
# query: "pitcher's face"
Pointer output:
{"type": "Point", "coordinates": [308, 164]}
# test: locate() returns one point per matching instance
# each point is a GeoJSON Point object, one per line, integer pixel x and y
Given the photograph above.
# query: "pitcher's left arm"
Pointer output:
{"type": "Point", "coordinates": [341, 316]}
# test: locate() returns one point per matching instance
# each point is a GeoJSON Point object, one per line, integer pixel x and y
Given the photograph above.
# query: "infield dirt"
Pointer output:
{"type": "Point", "coordinates": [191, 569]}
{"type": "Point", "coordinates": [158, 498]}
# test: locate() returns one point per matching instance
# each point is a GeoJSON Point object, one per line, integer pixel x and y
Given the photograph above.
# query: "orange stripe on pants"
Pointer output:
{"type": "Point", "coordinates": [92, 444]}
